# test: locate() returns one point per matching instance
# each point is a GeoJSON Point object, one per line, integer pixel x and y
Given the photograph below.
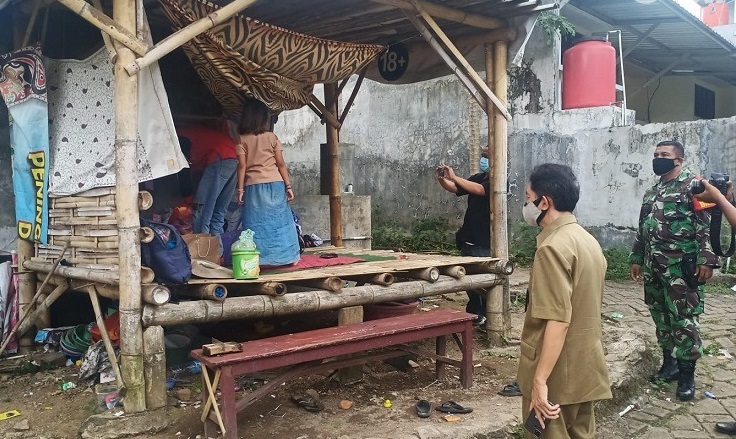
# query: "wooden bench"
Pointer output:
{"type": "Point", "coordinates": [325, 349]}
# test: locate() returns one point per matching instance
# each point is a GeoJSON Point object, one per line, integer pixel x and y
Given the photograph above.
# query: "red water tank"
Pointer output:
{"type": "Point", "coordinates": [716, 14]}
{"type": "Point", "coordinates": [589, 74]}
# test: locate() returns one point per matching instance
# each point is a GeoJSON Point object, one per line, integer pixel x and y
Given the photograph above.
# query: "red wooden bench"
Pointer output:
{"type": "Point", "coordinates": [323, 350]}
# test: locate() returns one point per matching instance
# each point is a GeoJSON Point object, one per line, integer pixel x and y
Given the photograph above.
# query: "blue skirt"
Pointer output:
{"type": "Point", "coordinates": [266, 212]}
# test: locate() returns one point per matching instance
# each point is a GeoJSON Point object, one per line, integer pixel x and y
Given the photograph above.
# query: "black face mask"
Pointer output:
{"type": "Point", "coordinates": [662, 165]}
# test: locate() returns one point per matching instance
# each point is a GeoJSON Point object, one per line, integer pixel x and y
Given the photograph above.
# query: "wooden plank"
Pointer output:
{"type": "Point", "coordinates": [210, 350]}
{"type": "Point", "coordinates": [303, 341]}
{"type": "Point", "coordinates": [347, 316]}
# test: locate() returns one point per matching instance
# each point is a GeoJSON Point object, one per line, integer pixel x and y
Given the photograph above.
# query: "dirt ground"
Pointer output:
{"type": "Point", "coordinates": [53, 413]}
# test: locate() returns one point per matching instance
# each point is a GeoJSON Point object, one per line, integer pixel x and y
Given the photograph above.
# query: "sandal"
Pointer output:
{"type": "Point", "coordinates": [307, 403]}
{"type": "Point", "coordinates": [511, 389]}
{"type": "Point", "coordinates": [423, 408]}
{"type": "Point", "coordinates": [453, 407]}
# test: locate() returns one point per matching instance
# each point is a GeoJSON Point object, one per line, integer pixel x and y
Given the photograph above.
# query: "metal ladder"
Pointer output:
{"type": "Point", "coordinates": [620, 88]}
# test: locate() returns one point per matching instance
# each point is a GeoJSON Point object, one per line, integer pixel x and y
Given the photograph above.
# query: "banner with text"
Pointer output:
{"type": "Point", "coordinates": [23, 88]}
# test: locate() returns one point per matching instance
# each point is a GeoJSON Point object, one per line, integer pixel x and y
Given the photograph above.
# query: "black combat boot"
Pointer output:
{"type": "Point", "coordinates": [686, 382]}
{"type": "Point", "coordinates": [669, 371]}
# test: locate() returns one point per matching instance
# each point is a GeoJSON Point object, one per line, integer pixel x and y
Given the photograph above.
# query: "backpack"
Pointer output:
{"type": "Point", "coordinates": [166, 254]}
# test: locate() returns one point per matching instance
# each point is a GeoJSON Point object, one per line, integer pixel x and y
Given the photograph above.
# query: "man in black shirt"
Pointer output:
{"type": "Point", "coordinates": [474, 237]}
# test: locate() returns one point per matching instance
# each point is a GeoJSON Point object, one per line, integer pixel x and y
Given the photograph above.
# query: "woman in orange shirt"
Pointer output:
{"type": "Point", "coordinates": [264, 188]}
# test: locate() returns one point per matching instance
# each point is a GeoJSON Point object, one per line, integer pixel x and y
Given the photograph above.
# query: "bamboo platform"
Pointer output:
{"type": "Point", "coordinates": [404, 263]}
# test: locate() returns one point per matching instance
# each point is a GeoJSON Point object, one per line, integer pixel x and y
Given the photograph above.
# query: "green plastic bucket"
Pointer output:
{"type": "Point", "coordinates": [245, 264]}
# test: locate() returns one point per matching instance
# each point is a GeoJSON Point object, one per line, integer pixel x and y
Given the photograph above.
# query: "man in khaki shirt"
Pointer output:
{"type": "Point", "coordinates": [562, 369]}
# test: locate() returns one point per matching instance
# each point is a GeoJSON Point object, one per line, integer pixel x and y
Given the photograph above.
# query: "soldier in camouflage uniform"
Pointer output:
{"type": "Point", "coordinates": [673, 255]}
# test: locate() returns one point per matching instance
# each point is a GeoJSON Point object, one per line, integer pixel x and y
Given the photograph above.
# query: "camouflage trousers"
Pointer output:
{"type": "Point", "coordinates": [674, 307]}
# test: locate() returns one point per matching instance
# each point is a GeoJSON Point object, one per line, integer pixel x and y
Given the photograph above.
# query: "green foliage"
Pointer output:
{"type": "Point", "coordinates": [518, 431]}
{"type": "Point", "coordinates": [552, 24]}
{"type": "Point", "coordinates": [718, 288]}
{"type": "Point", "coordinates": [427, 235]}
{"type": "Point", "coordinates": [618, 263]}
{"type": "Point", "coordinates": [523, 243]}
{"type": "Point", "coordinates": [712, 349]}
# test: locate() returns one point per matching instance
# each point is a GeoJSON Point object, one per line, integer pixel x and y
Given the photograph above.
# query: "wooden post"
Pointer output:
{"type": "Point", "coordinates": [498, 312]}
{"type": "Point", "coordinates": [333, 139]}
{"type": "Point", "coordinates": [154, 363]}
{"type": "Point", "coordinates": [346, 316]}
{"type": "Point", "coordinates": [26, 290]}
{"type": "Point", "coordinates": [126, 200]}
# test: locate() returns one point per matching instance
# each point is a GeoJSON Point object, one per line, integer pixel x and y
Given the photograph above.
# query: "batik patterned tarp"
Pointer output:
{"type": "Point", "coordinates": [23, 87]}
{"type": "Point", "coordinates": [244, 58]}
{"type": "Point", "coordinates": [82, 107]}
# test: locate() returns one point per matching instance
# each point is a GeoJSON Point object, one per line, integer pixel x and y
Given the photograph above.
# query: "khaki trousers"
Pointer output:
{"type": "Point", "coordinates": [576, 421]}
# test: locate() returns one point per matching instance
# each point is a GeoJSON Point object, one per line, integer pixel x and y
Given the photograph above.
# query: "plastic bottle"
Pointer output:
{"type": "Point", "coordinates": [194, 367]}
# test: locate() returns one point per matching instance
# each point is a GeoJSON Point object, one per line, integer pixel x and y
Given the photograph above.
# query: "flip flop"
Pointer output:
{"type": "Point", "coordinates": [423, 408]}
{"type": "Point", "coordinates": [307, 403]}
{"type": "Point", "coordinates": [511, 389]}
{"type": "Point", "coordinates": [452, 407]}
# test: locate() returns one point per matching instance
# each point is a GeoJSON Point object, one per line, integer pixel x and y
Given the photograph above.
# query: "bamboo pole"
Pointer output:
{"type": "Point", "coordinates": [26, 289]}
{"type": "Point", "coordinates": [384, 279]}
{"type": "Point", "coordinates": [106, 339]}
{"type": "Point", "coordinates": [111, 27]}
{"type": "Point", "coordinates": [430, 274]}
{"type": "Point", "coordinates": [154, 364]}
{"type": "Point", "coordinates": [464, 80]}
{"type": "Point", "coordinates": [333, 140]}
{"type": "Point", "coordinates": [29, 306]}
{"type": "Point", "coordinates": [152, 294]}
{"type": "Point", "coordinates": [498, 312]}
{"type": "Point", "coordinates": [25, 324]}
{"type": "Point", "coordinates": [327, 114]}
{"type": "Point", "coordinates": [262, 306]}
{"type": "Point", "coordinates": [500, 179]}
{"type": "Point", "coordinates": [269, 288]}
{"type": "Point", "coordinates": [205, 291]}
{"type": "Point", "coordinates": [332, 283]}
{"type": "Point", "coordinates": [31, 23]}
{"type": "Point", "coordinates": [501, 106]}
{"type": "Point", "coordinates": [108, 277]}
{"type": "Point", "coordinates": [456, 271]}
{"type": "Point", "coordinates": [126, 198]}
{"type": "Point", "coordinates": [182, 36]}
{"type": "Point", "coordinates": [450, 14]}
{"type": "Point", "coordinates": [353, 94]}
{"type": "Point", "coordinates": [501, 266]}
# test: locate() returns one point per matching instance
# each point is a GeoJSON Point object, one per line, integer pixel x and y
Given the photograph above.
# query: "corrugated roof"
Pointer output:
{"type": "Point", "coordinates": [661, 33]}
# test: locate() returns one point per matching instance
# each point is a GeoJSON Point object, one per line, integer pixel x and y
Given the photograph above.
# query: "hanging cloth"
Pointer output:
{"type": "Point", "coordinates": [244, 58]}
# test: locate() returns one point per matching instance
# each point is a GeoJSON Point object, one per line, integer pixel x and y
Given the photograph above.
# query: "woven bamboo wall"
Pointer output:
{"type": "Point", "coordinates": [88, 220]}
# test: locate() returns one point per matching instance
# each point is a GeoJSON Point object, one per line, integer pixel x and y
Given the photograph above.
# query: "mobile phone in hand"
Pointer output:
{"type": "Point", "coordinates": [532, 424]}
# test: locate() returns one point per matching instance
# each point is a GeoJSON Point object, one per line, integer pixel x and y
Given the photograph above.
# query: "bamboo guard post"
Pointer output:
{"type": "Point", "coordinates": [154, 365]}
{"type": "Point", "coordinates": [207, 291]}
{"type": "Point", "coordinates": [172, 42]}
{"type": "Point", "coordinates": [127, 214]}
{"type": "Point", "coordinates": [262, 306]}
{"type": "Point", "coordinates": [456, 271]}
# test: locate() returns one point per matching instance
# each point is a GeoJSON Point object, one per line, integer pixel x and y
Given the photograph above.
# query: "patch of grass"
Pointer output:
{"type": "Point", "coordinates": [618, 263]}
{"type": "Point", "coordinates": [427, 235]}
{"type": "Point", "coordinates": [718, 288]}
{"type": "Point", "coordinates": [523, 243]}
{"type": "Point", "coordinates": [518, 432]}
{"type": "Point", "coordinates": [712, 349]}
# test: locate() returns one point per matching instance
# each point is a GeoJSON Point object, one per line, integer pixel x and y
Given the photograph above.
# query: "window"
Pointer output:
{"type": "Point", "coordinates": [705, 103]}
